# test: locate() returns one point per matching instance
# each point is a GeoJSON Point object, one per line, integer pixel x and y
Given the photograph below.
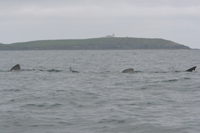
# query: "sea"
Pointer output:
{"type": "Point", "coordinates": [95, 97]}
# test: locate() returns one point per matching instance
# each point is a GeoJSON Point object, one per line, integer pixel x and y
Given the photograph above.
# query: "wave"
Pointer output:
{"type": "Point", "coordinates": [170, 80]}
{"type": "Point", "coordinates": [42, 105]}
{"type": "Point", "coordinates": [11, 90]}
{"type": "Point", "coordinates": [176, 80]}
{"type": "Point", "coordinates": [111, 121]}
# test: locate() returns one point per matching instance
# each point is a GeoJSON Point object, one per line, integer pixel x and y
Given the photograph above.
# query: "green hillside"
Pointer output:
{"type": "Point", "coordinates": [113, 43]}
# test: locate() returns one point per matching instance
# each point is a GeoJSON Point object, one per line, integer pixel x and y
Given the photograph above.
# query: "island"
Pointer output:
{"type": "Point", "coordinates": [103, 43]}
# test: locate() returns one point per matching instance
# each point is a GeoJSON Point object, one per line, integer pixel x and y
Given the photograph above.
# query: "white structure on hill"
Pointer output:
{"type": "Point", "coordinates": [113, 35]}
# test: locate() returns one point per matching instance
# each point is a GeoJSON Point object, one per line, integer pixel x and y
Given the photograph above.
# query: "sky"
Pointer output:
{"type": "Point", "coordinates": [29, 20]}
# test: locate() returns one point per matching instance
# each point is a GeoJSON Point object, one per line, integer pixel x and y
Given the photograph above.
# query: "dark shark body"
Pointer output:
{"type": "Point", "coordinates": [191, 69]}
{"type": "Point", "coordinates": [129, 70]}
{"type": "Point", "coordinates": [16, 68]}
{"type": "Point", "coordinates": [73, 70]}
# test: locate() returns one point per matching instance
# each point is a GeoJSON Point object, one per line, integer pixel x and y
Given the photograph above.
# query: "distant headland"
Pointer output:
{"type": "Point", "coordinates": [103, 43]}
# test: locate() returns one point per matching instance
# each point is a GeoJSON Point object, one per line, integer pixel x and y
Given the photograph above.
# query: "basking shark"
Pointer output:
{"type": "Point", "coordinates": [73, 70]}
{"type": "Point", "coordinates": [129, 70]}
{"type": "Point", "coordinates": [191, 69]}
{"type": "Point", "coordinates": [15, 68]}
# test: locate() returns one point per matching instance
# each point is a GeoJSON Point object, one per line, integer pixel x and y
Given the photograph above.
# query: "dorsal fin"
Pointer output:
{"type": "Point", "coordinates": [15, 68]}
{"type": "Point", "coordinates": [191, 69]}
{"type": "Point", "coordinates": [128, 70]}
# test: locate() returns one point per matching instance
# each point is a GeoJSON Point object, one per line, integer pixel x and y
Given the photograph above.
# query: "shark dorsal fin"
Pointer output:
{"type": "Point", "coordinates": [15, 68]}
{"type": "Point", "coordinates": [191, 69]}
{"type": "Point", "coordinates": [128, 70]}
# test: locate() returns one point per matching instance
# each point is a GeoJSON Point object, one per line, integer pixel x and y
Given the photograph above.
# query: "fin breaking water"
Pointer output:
{"type": "Point", "coordinates": [15, 68]}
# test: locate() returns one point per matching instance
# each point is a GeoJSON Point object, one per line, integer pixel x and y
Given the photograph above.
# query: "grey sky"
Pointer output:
{"type": "Point", "coordinates": [25, 20]}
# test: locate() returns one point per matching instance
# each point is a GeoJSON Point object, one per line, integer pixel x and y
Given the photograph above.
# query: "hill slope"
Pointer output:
{"type": "Point", "coordinates": [115, 43]}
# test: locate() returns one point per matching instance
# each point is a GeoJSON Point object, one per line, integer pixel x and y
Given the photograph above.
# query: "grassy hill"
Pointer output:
{"type": "Point", "coordinates": [114, 43]}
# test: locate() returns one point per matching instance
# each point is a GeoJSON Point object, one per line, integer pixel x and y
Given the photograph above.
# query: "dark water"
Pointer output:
{"type": "Point", "coordinates": [45, 97]}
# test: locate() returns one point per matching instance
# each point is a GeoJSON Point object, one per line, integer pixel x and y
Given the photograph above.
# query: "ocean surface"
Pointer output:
{"type": "Point", "coordinates": [46, 97]}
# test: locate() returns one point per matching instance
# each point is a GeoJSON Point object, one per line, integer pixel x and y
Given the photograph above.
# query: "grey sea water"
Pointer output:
{"type": "Point", "coordinates": [45, 97]}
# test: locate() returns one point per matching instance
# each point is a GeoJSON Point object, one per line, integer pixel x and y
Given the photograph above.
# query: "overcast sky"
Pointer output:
{"type": "Point", "coordinates": [28, 20]}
